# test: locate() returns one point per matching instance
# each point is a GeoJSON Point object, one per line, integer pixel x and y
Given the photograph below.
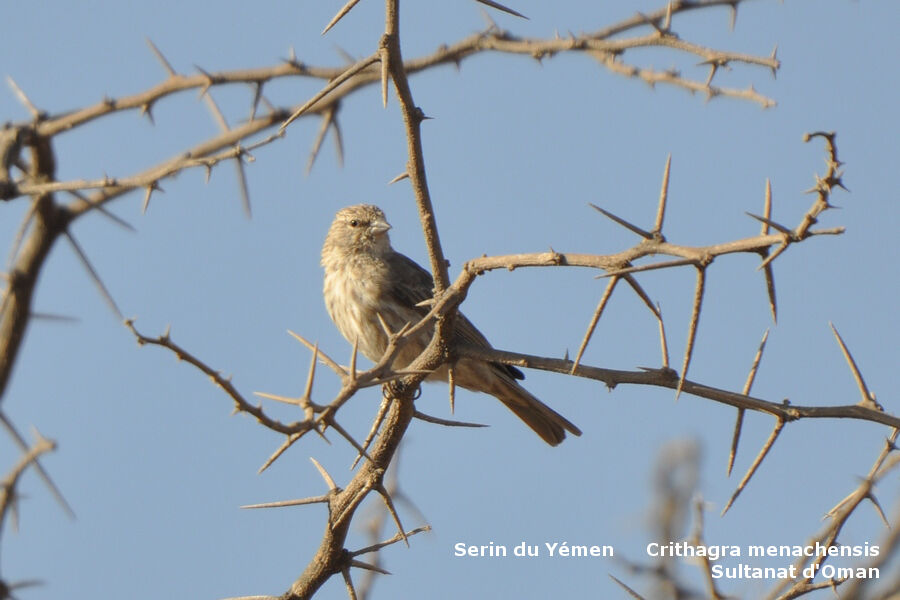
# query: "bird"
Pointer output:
{"type": "Point", "coordinates": [365, 278]}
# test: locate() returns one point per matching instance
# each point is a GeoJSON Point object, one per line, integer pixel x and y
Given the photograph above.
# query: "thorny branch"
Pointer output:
{"type": "Point", "coordinates": [49, 217]}
{"type": "Point", "coordinates": [676, 484]}
{"type": "Point", "coordinates": [33, 176]}
{"type": "Point", "coordinates": [319, 417]}
{"type": "Point", "coordinates": [603, 45]}
{"type": "Point", "coordinates": [9, 496]}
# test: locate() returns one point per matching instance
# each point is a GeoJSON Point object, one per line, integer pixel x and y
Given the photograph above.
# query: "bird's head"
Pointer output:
{"type": "Point", "coordinates": [360, 228]}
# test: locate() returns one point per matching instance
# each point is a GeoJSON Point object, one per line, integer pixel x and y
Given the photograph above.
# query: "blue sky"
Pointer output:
{"type": "Point", "coordinates": [156, 466]}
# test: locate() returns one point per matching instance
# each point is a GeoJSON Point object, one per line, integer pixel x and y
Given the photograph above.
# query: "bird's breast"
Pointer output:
{"type": "Point", "coordinates": [352, 298]}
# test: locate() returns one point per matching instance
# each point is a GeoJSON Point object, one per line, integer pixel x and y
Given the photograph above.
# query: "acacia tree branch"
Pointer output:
{"type": "Point", "coordinates": [594, 44]}
{"type": "Point", "coordinates": [331, 557]}
{"type": "Point", "coordinates": [346, 501]}
{"type": "Point", "coordinates": [49, 219]}
{"type": "Point", "coordinates": [48, 222]}
{"type": "Point", "coordinates": [886, 463]}
{"type": "Point", "coordinates": [9, 484]}
{"type": "Point", "coordinates": [668, 378]}
{"type": "Point", "coordinates": [674, 494]}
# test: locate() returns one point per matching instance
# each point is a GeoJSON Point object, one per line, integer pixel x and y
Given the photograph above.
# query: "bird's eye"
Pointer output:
{"type": "Point", "coordinates": [354, 223]}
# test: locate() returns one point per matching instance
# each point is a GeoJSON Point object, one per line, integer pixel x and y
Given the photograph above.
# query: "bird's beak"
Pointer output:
{"type": "Point", "coordinates": [379, 226]}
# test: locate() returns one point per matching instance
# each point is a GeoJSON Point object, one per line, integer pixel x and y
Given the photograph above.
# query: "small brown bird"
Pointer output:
{"type": "Point", "coordinates": [365, 277]}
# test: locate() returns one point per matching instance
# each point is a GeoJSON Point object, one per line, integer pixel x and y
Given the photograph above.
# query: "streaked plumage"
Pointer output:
{"type": "Point", "coordinates": [365, 277]}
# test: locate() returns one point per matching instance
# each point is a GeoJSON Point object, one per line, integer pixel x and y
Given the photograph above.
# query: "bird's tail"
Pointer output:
{"type": "Point", "coordinates": [545, 421]}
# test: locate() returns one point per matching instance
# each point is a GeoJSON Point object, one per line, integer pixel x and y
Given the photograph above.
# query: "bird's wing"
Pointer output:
{"type": "Point", "coordinates": [410, 285]}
